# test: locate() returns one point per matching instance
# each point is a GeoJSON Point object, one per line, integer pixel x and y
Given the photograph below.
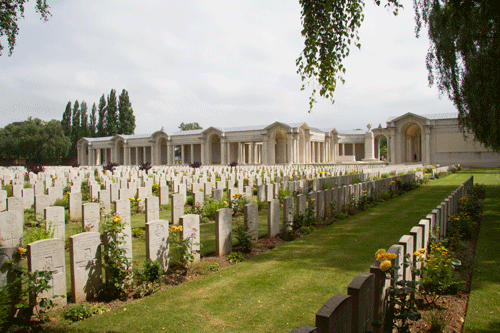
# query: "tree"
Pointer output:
{"type": "Point", "coordinates": [93, 122]}
{"type": "Point", "coordinates": [34, 140]}
{"type": "Point", "coordinates": [112, 114]}
{"type": "Point", "coordinates": [84, 121]}
{"type": "Point", "coordinates": [329, 27]}
{"type": "Point", "coordinates": [10, 12]}
{"type": "Point", "coordinates": [463, 58]}
{"type": "Point", "coordinates": [126, 118]}
{"type": "Point", "coordinates": [75, 125]}
{"type": "Point", "coordinates": [464, 61]}
{"type": "Point", "coordinates": [189, 126]}
{"type": "Point", "coordinates": [66, 120]}
{"type": "Point", "coordinates": [102, 123]}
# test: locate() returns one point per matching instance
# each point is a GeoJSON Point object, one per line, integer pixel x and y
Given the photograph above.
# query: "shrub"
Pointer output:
{"type": "Point", "coordinates": [235, 257]}
{"type": "Point", "coordinates": [211, 205]}
{"type": "Point", "coordinates": [438, 274]}
{"type": "Point", "coordinates": [151, 272]}
{"type": "Point", "coordinates": [243, 237]}
{"type": "Point", "coordinates": [37, 233]}
{"type": "Point", "coordinates": [35, 168]}
{"type": "Point", "coordinates": [204, 267]}
{"type": "Point", "coordinates": [138, 233]}
{"type": "Point", "coordinates": [62, 203]}
{"type": "Point", "coordinates": [76, 312]}
{"type": "Point", "coordinates": [109, 166]}
{"type": "Point", "coordinates": [117, 265]}
{"type": "Point", "coordinates": [195, 165]}
{"type": "Point", "coordinates": [145, 166]}
{"type": "Point", "coordinates": [233, 164]}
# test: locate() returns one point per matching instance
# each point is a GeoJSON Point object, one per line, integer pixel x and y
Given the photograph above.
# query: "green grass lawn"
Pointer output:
{"type": "Point", "coordinates": [283, 288]}
{"type": "Point", "coordinates": [483, 314]}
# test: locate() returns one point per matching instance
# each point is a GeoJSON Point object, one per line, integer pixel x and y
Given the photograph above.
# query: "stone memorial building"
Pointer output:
{"type": "Point", "coordinates": [411, 138]}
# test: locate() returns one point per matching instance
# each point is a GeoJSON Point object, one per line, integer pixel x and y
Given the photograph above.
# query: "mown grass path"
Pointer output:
{"type": "Point", "coordinates": [282, 288]}
{"type": "Point", "coordinates": [483, 314]}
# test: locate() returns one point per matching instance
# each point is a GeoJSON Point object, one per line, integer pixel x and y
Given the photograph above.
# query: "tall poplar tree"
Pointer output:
{"type": "Point", "coordinates": [101, 125]}
{"type": "Point", "coordinates": [126, 118]}
{"type": "Point", "coordinates": [112, 114]}
{"type": "Point", "coordinates": [75, 128]}
{"type": "Point", "coordinates": [66, 120]}
{"type": "Point", "coordinates": [93, 122]}
{"type": "Point", "coordinates": [84, 121]}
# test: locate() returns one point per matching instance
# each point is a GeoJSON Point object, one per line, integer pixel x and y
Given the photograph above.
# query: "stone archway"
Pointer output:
{"type": "Point", "coordinates": [280, 148]}
{"type": "Point", "coordinates": [121, 153]}
{"type": "Point", "coordinates": [215, 149]}
{"type": "Point", "coordinates": [411, 143]}
{"type": "Point", "coordinates": [377, 146]}
{"type": "Point", "coordinates": [163, 151]}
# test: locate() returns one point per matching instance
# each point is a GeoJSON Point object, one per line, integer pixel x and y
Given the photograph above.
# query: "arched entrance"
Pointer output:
{"type": "Point", "coordinates": [411, 143]}
{"type": "Point", "coordinates": [280, 141]}
{"type": "Point", "coordinates": [380, 147]}
{"type": "Point", "coordinates": [214, 144]}
{"type": "Point", "coordinates": [121, 153]}
{"type": "Point", "coordinates": [163, 151]}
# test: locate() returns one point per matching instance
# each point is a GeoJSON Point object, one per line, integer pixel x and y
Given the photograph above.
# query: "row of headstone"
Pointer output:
{"type": "Point", "coordinates": [365, 300]}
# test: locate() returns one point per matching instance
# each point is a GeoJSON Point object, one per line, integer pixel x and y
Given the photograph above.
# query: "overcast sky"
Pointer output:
{"type": "Point", "coordinates": [218, 63]}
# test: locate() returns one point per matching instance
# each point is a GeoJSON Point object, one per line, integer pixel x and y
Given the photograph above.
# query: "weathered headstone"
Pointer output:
{"type": "Point", "coordinates": [301, 204]}
{"type": "Point", "coordinates": [198, 199]}
{"type": "Point", "coordinates": [361, 289]}
{"type": "Point", "coordinates": [122, 209]}
{"type": "Point", "coordinates": [157, 247]}
{"type": "Point", "coordinates": [223, 229]}
{"type": "Point", "coordinates": [335, 315]}
{"type": "Point", "coordinates": [191, 229]}
{"type": "Point", "coordinates": [86, 267]}
{"type": "Point", "coordinates": [11, 228]}
{"type": "Point", "coordinates": [91, 217]}
{"type": "Point", "coordinates": [48, 255]}
{"type": "Point", "coordinates": [28, 198]}
{"type": "Point", "coordinates": [177, 204]}
{"type": "Point", "coordinates": [3, 200]}
{"type": "Point", "coordinates": [288, 213]}
{"type": "Point", "coordinates": [7, 273]}
{"type": "Point", "coordinates": [15, 204]}
{"type": "Point", "coordinates": [163, 195]}
{"type": "Point", "coordinates": [105, 200]}
{"type": "Point", "coordinates": [251, 219]}
{"type": "Point", "coordinates": [55, 221]}
{"type": "Point", "coordinates": [217, 194]}
{"type": "Point", "coordinates": [273, 218]}
{"type": "Point", "coordinates": [152, 209]}
{"type": "Point", "coordinates": [75, 206]}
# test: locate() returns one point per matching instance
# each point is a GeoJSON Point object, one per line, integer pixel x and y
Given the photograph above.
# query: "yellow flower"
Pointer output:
{"type": "Point", "coordinates": [21, 250]}
{"type": "Point", "coordinates": [225, 202]}
{"type": "Point", "coordinates": [139, 199]}
{"type": "Point", "coordinates": [117, 218]}
{"type": "Point", "coordinates": [379, 254]}
{"type": "Point", "coordinates": [391, 256]}
{"type": "Point", "coordinates": [391, 183]}
{"type": "Point", "coordinates": [179, 228]}
{"type": "Point", "coordinates": [385, 265]}
{"type": "Point", "coordinates": [131, 199]}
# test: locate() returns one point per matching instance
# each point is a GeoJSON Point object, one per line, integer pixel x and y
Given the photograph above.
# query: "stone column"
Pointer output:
{"type": "Point", "coordinates": [264, 151]}
{"type": "Point", "coordinates": [251, 158]}
{"type": "Point", "coordinates": [202, 152]}
{"type": "Point", "coordinates": [182, 154]}
{"type": "Point", "coordinates": [223, 151]}
{"type": "Point", "coordinates": [191, 154]}
{"type": "Point", "coordinates": [289, 150]}
{"type": "Point", "coordinates": [427, 145]}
